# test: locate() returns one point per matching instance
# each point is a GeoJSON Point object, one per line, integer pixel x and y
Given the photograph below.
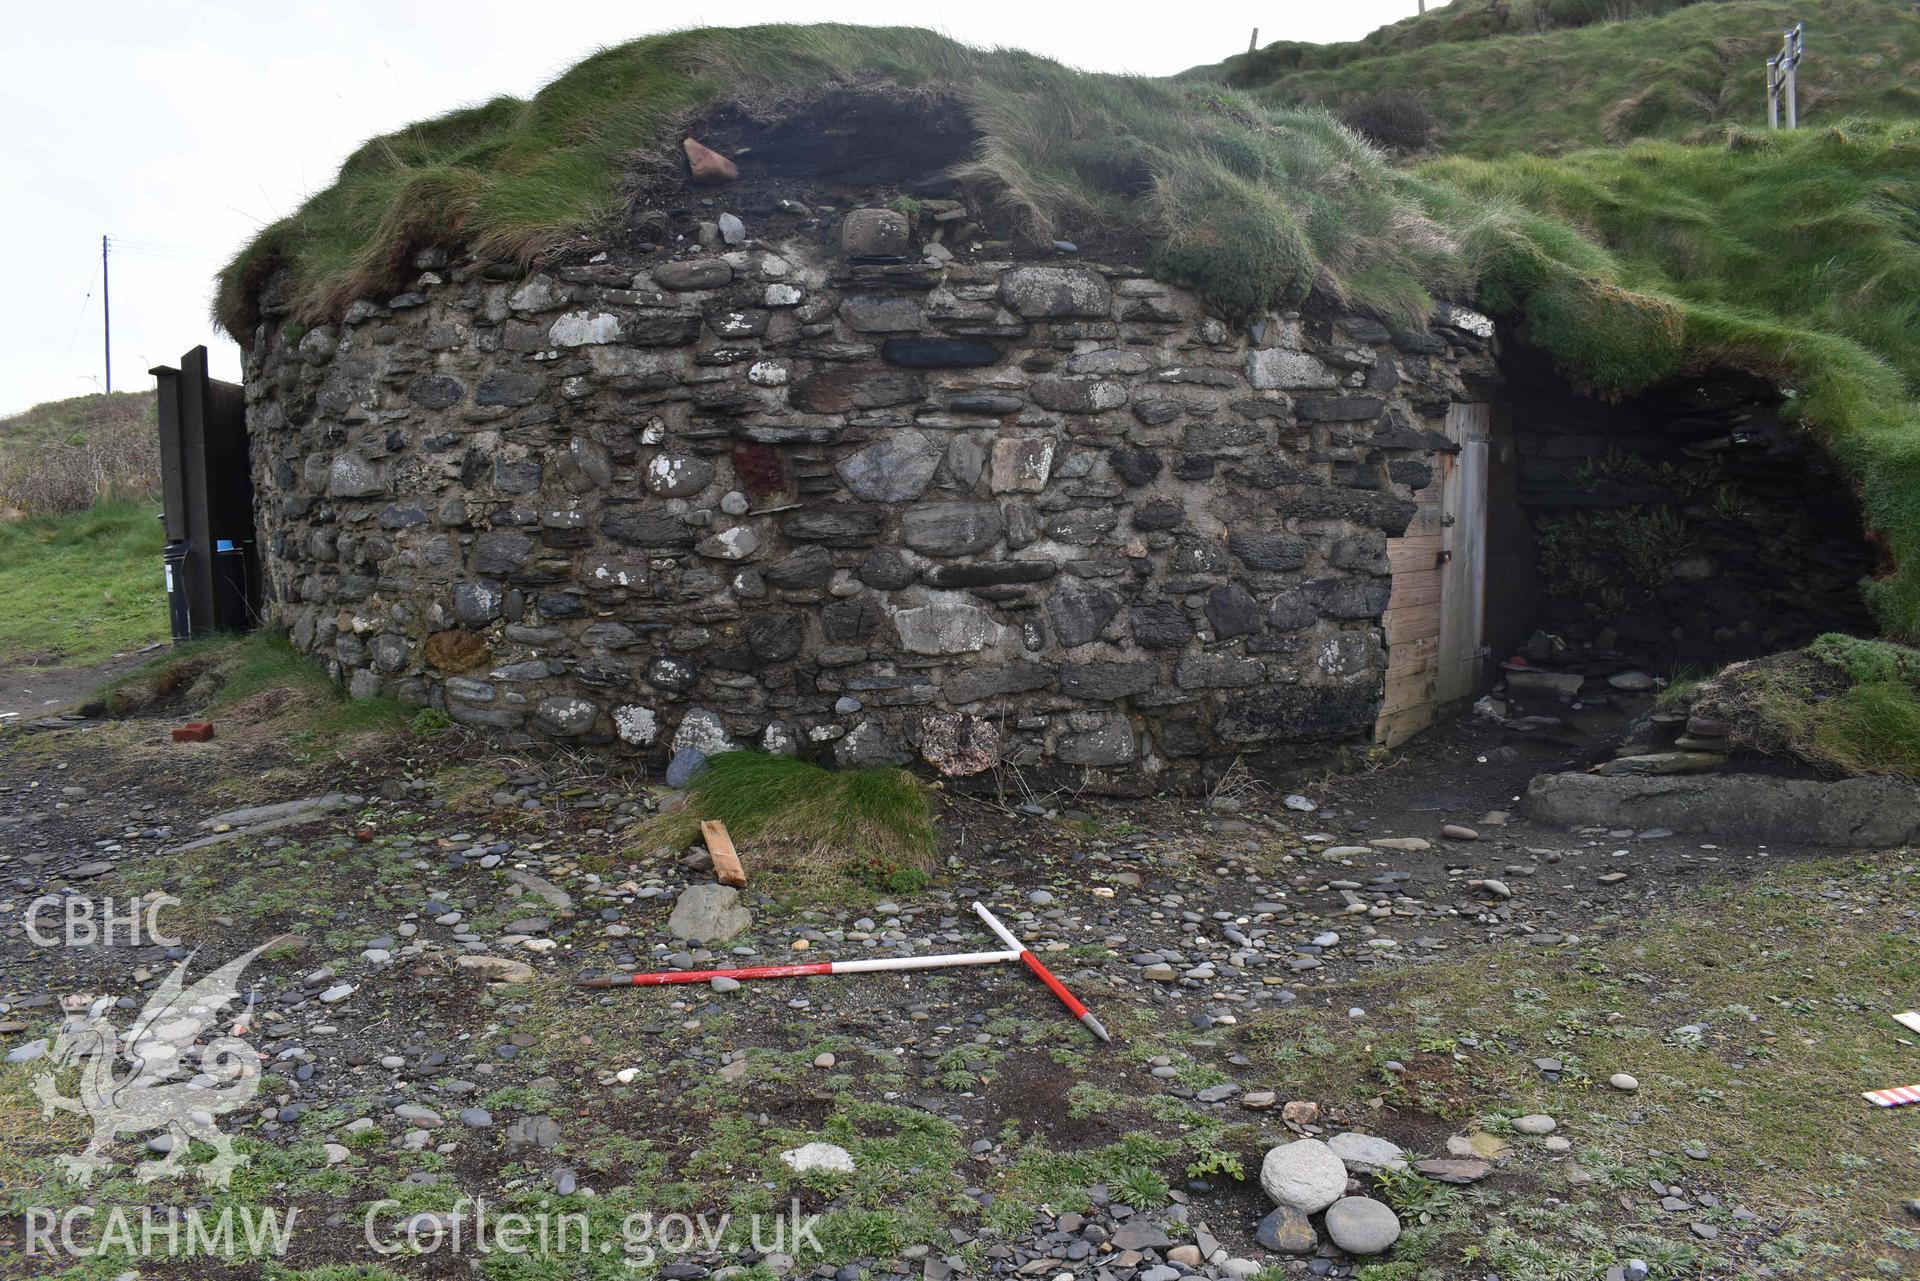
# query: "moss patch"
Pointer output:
{"type": "Point", "coordinates": [1842, 703]}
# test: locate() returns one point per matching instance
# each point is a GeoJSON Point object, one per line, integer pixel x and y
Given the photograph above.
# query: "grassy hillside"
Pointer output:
{"type": "Point", "coordinates": [81, 588]}
{"type": "Point", "coordinates": [67, 455]}
{"type": "Point", "coordinates": [1669, 75]}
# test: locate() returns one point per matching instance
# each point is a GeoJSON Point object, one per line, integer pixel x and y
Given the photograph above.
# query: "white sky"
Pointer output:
{"type": "Point", "coordinates": [179, 127]}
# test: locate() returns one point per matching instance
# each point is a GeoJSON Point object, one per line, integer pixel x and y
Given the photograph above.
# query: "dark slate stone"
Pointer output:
{"type": "Point", "coordinates": [1269, 472]}
{"type": "Point", "coordinates": [1276, 550]}
{"type": "Point", "coordinates": [1161, 624]}
{"type": "Point", "coordinates": [498, 553]}
{"type": "Point", "coordinates": [1350, 597]}
{"type": "Point", "coordinates": [436, 391]}
{"type": "Point", "coordinates": [1159, 514]}
{"type": "Point", "coordinates": [952, 529]}
{"type": "Point", "coordinates": [1262, 410]}
{"type": "Point", "coordinates": [885, 571]}
{"type": "Point", "coordinates": [517, 476]}
{"type": "Point", "coordinates": [801, 568]}
{"type": "Point", "coordinates": [849, 622]}
{"type": "Point", "coordinates": [1081, 526]}
{"type": "Point", "coordinates": [1232, 611]}
{"type": "Point", "coordinates": [1419, 342]}
{"type": "Point", "coordinates": [939, 353]}
{"type": "Point", "coordinates": [729, 320]}
{"type": "Point", "coordinates": [1384, 376]}
{"type": "Point", "coordinates": [1194, 467]}
{"type": "Point", "coordinates": [477, 604]}
{"type": "Point", "coordinates": [974, 684]}
{"type": "Point", "coordinates": [1157, 413]}
{"type": "Point", "coordinates": [509, 387]}
{"type": "Point", "coordinates": [402, 516]}
{"type": "Point", "coordinates": [842, 390]}
{"type": "Point", "coordinates": [1104, 682]}
{"type": "Point", "coordinates": [1365, 329]}
{"type": "Point", "coordinates": [693, 273]}
{"type": "Point", "coordinates": [560, 605]}
{"type": "Point", "coordinates": [675, 674]}
{"type": "Point", "coordinates": [985, 403]}
{"type": "Point", "coordinates": [1080, 614]}
{"type": "Point", "coordinates": [645, 527]}
{"type": "Point", "coordinates": [775, 635]}
{"type": "Point", "coordinates": [836, 527]}
{"type": "Point", "coordinates": [1298, 713]}
{"type": "Point", "coordinates": [1364, 550]}
{"type": "Point", "coordinates": [1378, 509]}
{"type": "Point", "coordinates": [1135, 466]}
{"type": "Point", "coordinates": [662, 328]}
{"type": "Point", "coordinates": [1230, 434]}
{"type": "Point", "coordinates": [1198, 376]}
{"type": "Point", "coordinates": [1411, 472]}
{"type": "Point", "coordinates": [988, 573]}
{"type": "Point", "coordinates": [1291, 611]}
{"type": "Point", "coordinates": [1338, 409]}
{"type": "Point", "coordinates": [1354, 474]}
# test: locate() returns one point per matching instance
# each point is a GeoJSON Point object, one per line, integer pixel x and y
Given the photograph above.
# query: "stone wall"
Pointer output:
{"type": "Point", "coordinates": [849, 485]}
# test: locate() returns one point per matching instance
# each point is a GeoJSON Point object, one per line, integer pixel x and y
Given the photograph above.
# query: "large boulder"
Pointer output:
{"type": "Point", "coordinates": [708, 914]}
{"type": "Point", "coordinates": [1304, 1174]}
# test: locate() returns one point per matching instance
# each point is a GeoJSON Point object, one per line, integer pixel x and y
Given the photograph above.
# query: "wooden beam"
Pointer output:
{"type": "Point", "coordinates": [726, 861]}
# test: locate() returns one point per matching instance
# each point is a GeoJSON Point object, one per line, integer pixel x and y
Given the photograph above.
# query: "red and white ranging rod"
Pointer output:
{"type": "Point", "coordinates": [802, 969]}
{"type": "Point", "coordinates": [1045, 975]}
{"type": "Point", "coordinates": [1017, 951]}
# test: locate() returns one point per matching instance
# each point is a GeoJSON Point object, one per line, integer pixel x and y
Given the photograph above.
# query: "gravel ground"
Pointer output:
{"type": "Point", "coordinates": [424, 1041]}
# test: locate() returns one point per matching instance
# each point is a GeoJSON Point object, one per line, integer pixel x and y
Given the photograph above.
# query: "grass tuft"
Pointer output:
{"type": "Point", "coordinates": [1843, 703]}
{"type": "Point", "coordinates": [873, 824]}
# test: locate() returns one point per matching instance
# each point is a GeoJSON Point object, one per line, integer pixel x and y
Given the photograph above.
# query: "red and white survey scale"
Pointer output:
{"type": "Point", "coordinates": [1016, 951]}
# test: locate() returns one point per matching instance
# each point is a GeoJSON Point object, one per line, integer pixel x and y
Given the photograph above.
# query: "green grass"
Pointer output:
{"type": "Point", "coordinates": [81, 588]}
{"type": "Point", "coordinates": [1842, 703]}
{"type": "Point", "coordinates": [1498, 85]}
{"type": "Point", "coordinates": [873, 824]}
{"type": "Point", "coordinates": [1254, 207]}
{"type": "Point", "coordinates": [1793, 976]}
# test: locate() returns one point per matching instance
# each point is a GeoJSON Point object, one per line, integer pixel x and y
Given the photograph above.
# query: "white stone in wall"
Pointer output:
{"type": "Point", "coordinates": [701, 730]}
{"type": "Point", "coordinates": [584, 329]}
{"type": "Point", "coordinates": [1460, 318]}
{"type": "Point", "coordinates": [635, 724]}
{"type": "Point", "coordinates": [1276, 368]}
{"type": "Point", "coordinates": [767, 373]}
{"type": "Point", "coordinates": [946, 627]}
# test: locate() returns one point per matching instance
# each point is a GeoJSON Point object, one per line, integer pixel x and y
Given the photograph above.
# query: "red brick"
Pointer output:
{"type": "Point", "coordinates": [193, 732]}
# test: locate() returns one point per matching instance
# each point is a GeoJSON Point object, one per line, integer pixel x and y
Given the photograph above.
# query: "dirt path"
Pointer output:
{"type": "Point", "coordinates": [28, 690]}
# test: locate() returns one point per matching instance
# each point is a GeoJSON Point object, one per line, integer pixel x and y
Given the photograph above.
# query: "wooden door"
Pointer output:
{"type": "Point", "coordinates": [1435, 616]}
{"type": "Point", "coordinates": [1463, 546]}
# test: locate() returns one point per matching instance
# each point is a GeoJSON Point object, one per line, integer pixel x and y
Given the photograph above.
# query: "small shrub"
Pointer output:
{"type": "Point", "coordinates": [1141, 1188]}
{"type": "Point", "coordinates": [1393, 119]}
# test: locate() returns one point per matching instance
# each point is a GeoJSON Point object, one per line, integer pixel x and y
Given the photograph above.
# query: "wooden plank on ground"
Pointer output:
{"type": "Point", "coordinates": [726, 862]}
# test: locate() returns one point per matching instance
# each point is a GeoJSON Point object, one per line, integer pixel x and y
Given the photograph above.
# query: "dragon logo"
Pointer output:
{"type": "Point", "coordinates": [172, 1085]}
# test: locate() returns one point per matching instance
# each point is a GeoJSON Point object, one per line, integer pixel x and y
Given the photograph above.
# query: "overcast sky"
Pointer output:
{"type": "Point", "coordinates": [179, 127]}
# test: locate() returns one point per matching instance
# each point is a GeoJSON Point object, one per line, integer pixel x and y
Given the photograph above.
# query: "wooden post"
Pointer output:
{"type": "Point", "coordinates": [1254, 43]}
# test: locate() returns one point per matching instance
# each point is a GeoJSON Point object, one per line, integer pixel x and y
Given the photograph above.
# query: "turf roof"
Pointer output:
{"type": "Point", "coordinates": [1793, 258]}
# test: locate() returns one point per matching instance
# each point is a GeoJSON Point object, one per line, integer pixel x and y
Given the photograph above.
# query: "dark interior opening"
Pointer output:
{"type": "Point", "coordinates": [1679, 529]}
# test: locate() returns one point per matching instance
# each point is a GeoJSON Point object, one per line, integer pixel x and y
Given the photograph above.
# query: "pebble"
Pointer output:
{"type": "Point", "coordinates": [1459, 832]}
{"type": "Point", "coordinates": [1362, 1225]}
{"type": "Point", "coordinates": [1623, 1082]}
{"type": "Point", "coordinates": [1536, 1123]}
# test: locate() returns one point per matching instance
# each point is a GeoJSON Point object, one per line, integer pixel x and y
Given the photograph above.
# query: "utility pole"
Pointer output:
{"type": "Point", "coordinates": [106, 318]}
